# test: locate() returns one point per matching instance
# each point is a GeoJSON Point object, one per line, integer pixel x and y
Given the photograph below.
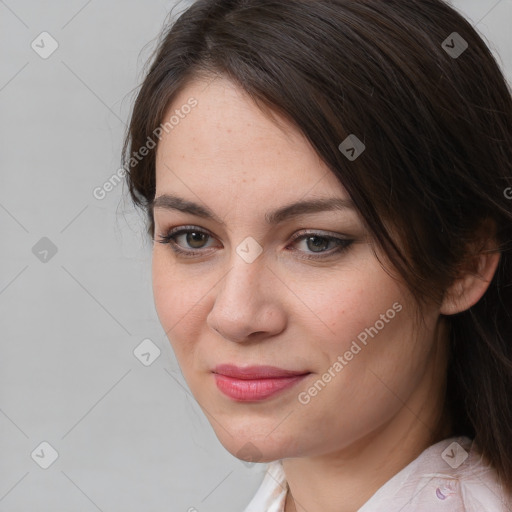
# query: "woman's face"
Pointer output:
{"type": "Point", "coordinates": [252, 295]}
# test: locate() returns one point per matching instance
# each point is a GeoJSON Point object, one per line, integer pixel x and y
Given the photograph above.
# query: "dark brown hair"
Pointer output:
{"type": "Point", "coordinates": [437, 168]}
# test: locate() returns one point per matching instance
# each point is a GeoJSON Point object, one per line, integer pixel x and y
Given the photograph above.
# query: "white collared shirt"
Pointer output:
{"type": "Point", "coordinates": [449, 476]}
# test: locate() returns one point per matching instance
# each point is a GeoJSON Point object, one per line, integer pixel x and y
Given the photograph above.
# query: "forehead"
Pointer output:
{"type": "Point", "coordinates": [227, 143]}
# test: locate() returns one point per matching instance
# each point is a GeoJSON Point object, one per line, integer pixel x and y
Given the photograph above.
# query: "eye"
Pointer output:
{"type": "Point", "coordinates": [195, 238]}
{"type": "Point", "coordinates": [318, 243]}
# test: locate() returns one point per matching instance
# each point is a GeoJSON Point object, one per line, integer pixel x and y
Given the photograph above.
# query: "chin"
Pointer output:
{"type": "Point", "coordinates": [259, 448]}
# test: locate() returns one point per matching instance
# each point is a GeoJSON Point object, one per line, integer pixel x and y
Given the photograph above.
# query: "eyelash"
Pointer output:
{"type": "Point", "coordinates": [170, 239]}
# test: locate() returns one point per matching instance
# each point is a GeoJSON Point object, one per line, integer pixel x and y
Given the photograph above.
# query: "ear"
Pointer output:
{"type": "Point", "coordinates": [468, 289]}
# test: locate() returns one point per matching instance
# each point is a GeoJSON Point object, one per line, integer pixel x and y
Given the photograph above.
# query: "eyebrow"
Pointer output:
{"type": "Point", "coordinates": [172, 202]}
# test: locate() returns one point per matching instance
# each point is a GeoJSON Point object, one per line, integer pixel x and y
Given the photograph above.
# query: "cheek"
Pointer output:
{"type": "Point", "coordinates": [351, 302]}
{"type": "Point", "coordinates": [371, 354]}
{"type": "Point", "coordinates": [362, 323]}
{"type": "Point", "coordinates": [359, 386]}
{"type": "Point", "coordinates": [179, 299]}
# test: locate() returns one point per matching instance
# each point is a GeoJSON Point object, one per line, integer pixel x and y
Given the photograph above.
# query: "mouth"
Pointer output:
{"type": "Point", "coordinates": [255, 383]}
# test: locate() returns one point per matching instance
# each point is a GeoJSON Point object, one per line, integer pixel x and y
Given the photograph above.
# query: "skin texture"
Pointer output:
{"type": "Point", "coordinates": [382, 409]}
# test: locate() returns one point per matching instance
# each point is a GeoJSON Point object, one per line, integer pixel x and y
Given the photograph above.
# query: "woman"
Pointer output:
{"type": "Point", "coordinates": [329, 199]}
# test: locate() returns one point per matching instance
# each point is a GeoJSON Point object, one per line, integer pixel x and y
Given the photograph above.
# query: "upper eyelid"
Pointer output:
{"type": "Point", "coordinates": [301, 232]}
{"type": "Point", "coordinates": [350, 214]}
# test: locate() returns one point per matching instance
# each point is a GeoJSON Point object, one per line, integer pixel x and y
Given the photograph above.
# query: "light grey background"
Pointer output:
{"type": "Point", "coordinates": [129, 437]}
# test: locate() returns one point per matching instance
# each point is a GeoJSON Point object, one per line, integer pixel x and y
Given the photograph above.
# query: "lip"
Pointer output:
{"type": "Point", "coordinates": [255, 372]}
{"type": "Point", "coordinates": [254, 383]}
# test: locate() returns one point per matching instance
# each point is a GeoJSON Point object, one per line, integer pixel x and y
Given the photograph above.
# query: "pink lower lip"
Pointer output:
{"type": "Point", "coordinates": [245, 390]}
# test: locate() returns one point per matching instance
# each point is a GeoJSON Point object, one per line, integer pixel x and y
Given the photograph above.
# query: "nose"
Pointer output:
{"type": "Point", "coordinates": [246, 305]}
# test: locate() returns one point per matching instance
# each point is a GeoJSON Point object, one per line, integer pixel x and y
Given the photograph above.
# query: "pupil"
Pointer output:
{"type": "Point", "coordinates": [191, 239]}
{"type": "Point", "coordinates": [320, 242]}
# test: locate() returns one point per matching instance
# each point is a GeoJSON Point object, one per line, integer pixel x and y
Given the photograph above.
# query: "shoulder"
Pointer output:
{"type": "Point", "coordinates": [475, 480]}
{"type": "Point", "coordinates": [451, 475]}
